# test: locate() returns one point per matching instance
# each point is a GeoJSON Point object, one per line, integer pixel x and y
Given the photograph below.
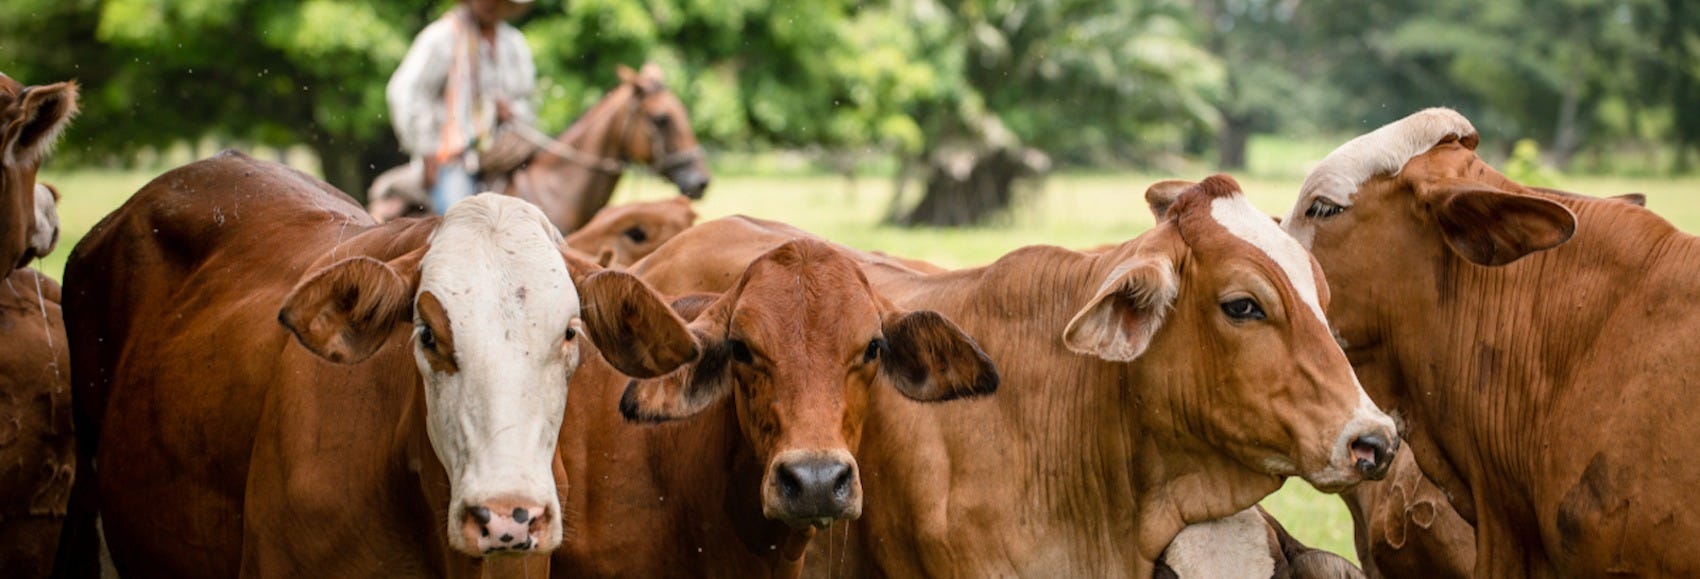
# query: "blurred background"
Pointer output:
{"type": "Point", "coordinates": [945, 130]}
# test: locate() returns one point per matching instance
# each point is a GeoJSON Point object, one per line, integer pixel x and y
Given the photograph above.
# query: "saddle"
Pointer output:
{"type": "Point", "coordinates": [401, 191]}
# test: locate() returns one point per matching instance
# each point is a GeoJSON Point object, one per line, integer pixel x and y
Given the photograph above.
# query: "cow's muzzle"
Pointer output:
{"type": "Point", "coordinates": [1372, 454]}
{"type": "Point", "coordinates": [812, 489]}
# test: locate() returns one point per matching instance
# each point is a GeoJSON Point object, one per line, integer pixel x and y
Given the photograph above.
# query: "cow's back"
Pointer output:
{"type": "Point", "coordinates": [36, 447]}
{"type": "Point", "coordinates": [172, 308]}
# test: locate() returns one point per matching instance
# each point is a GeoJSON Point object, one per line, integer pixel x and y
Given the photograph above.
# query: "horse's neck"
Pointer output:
{"type": "Point", "coordinates": [569, 190]}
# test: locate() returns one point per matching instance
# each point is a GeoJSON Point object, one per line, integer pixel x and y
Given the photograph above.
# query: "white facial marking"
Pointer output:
{"type": "Point", "coordinates": [1233, 546]}
{"type": "Point", "coordinates": [1382, 151]}
{"type": "Point", "coordinates": [1244, 221]}
{"type": "Point", "coordinates": [494, 421]}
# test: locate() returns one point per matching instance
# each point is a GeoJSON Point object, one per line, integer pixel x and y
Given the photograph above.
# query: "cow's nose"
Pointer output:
{"type": "Point", "coordinates": [504, 526]}
{"type": "Point", "coordinates": [1372, 454]}
{"type": "Point", "coordinates": [816, 490]}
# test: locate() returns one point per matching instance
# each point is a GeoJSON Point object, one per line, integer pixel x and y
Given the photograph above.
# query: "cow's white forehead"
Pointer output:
{"type": "Point", "coordinates": [496, 260]}
{"type": "Point", "coordinates": [1244, 221]}
{"type": "Point", "coordinates": [1384, 150]}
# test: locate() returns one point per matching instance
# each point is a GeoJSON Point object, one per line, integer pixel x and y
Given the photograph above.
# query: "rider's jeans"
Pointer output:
{"type": "Point", "coordinates": [454, 183]}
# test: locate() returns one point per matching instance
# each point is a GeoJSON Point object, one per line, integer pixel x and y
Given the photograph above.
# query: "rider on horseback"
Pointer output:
{"type": "Point", "coordinates": [466, 79]}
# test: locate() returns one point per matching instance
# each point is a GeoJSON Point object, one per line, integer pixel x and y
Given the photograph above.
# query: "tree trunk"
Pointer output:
{"type": "Point", "coordinates": [340, 163]}
{"type": "Point", "coordinates": [967, 188]}
{"type": "Point", "coordinates": [1231, 143]}
{"type": "Point", "coordinates": [1568, 134]}
{"type": "Point", "coordinates": [351, 164]}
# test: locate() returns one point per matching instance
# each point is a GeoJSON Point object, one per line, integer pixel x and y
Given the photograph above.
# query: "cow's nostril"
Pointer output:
{"type": "Point", "coordinates": [1369, 453]}
{"type": "Point", "coordinates": [841, 482]}
{"type": "Point", "coordinates": [520, 515]}
{"type": "Point", "coordinates": [790, 486]}
{"type": "Point", "coordinates": [480, 514]}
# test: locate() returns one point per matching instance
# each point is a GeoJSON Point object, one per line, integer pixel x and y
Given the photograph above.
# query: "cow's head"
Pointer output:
{"type": "Point", "coordinates": [623, 234]}
{"type": "Point", "coordinates": [31, 119]}
{"type": "Point", "coordinates": [1234, 308]}
{"type": "Point", "coordinates": [796, 344]}
{"type": "Point", "coordinates": [1398, 215]}
{"type": "Point", "coordinates": [495, 318]}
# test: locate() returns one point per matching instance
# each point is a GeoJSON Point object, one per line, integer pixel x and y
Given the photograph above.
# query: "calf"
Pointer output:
{"type": "Point", "coordinates": [730, 464]}
{"type": "Point", "coordinates": [361, 400]}
{"type": "Point", "coordinates": [623, 234]}
{"type": "Point", "coordinates": [1176, 378]}
{"type": "Point", "coordinates": [1539, 345]}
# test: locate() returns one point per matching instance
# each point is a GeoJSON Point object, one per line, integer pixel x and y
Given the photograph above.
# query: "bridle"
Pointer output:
{"type": "Point", "coordinates": [662, 161]}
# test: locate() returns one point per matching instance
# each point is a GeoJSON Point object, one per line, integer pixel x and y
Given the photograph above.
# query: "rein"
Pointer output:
{"type": "Point", "coordinates": [661, 161]}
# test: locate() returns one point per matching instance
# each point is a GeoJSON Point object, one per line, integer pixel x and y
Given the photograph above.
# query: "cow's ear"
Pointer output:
{"type": "Point", "coordinates": [1492, 227]}
{"type": "Point", "coordinates": [1119, 322]}
{"type": "Point", "coordinates": [929, 359]}
{"type": "Point", "coordinates": [637, 333]}
{"type": "Point", "coordinates": [344, 311]}
{"type": "Point", "coordinates": [42, 113]}
{"type": "Point", "coordinates": [1160, 196]}
{"type": "Point", "coordinates": [689, 389]}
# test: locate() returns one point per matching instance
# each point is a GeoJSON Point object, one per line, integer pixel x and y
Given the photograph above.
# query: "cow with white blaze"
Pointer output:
{"type": "Point", "coordinates": [355, 400]}
{"type": "Point", "coordinates": [1540, 346]}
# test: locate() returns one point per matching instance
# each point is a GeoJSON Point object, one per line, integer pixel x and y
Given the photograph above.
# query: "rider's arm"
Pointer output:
{"type": "Point", "coordinates": [415, 91]}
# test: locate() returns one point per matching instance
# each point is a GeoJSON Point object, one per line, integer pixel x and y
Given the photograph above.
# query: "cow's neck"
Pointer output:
{"type": "Point", "coordinates": [570, 191]}
{"type": "Point", "coordinates": [740, 496]}
{"type": "Point", "coordinates": [1090, 469]}
{"type": "Point", "coordinates": [1497, 348]}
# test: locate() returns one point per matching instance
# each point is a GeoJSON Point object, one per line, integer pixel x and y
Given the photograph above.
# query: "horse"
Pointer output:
{"type": "Point", "coordinates": [572, 176]}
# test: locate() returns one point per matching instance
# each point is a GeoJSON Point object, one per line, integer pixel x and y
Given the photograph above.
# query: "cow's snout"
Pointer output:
{"type": "Point", "coordinates": [816, 489]}
{"type": "Point", "coordinates": [506, 526]}
{"type": "Point", "coordinates": [1372, 454]}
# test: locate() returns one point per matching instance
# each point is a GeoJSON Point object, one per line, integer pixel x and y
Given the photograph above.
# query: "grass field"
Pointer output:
{"type": "Point", "coordinates": [1073, 210]}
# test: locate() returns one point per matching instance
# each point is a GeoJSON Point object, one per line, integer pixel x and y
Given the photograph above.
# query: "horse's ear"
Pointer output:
{"type": "Point", "coordinates": [650, 74]}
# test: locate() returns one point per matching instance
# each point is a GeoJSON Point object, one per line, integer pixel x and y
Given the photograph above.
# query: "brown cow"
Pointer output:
{"type": "Point", "coordinates": [36, 444]}
{"type": "Point", "coordinates": [400, 421]}
{"type": "Point", "coordinates": [1405, 528]}
{"type": "Point", "coordinates": [1174, 379]}
{"type": "Point", "coordinates": [757, 440]}
{"type": "Point", "coordinates": [31, 118]}
{"type": "Point", "coordinates": [1540, 346]}
{"type": "Point", "coordinates": [623, 234]}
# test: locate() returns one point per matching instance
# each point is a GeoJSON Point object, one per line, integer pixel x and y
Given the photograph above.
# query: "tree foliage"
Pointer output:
{"type": "Point", "coordinates": [1083, 82]}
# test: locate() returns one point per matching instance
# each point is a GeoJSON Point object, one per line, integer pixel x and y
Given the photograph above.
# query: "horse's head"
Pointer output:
{"type": "Point", "coordinates": [658, 131]}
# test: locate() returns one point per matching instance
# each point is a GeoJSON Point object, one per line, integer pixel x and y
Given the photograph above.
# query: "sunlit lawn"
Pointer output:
{"type": "Point", "coordinates": [1073, 210]}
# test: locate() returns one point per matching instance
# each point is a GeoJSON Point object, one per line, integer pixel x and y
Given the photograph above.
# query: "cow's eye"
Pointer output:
{"type": "Point", "coordinates": [1243, 309]}
{"type": "Point", "coordinates": [873, 351]}
{"type": "Point", "coordinates": [571, 333]}
{"type": "Point", "coordinates": [427, 339]}
{"type": "Point", "coordinates": [662, 120]}
{"type": "Point", "coordinates": [1321, 208]}
{"type": "Point", "coordinates": [637, 235]}
{"type": "Point", "coordinates": [741, 352]}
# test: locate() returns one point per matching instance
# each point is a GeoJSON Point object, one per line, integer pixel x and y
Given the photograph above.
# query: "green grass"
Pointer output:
{"type": "Point", "coordinates": [1072, 211]}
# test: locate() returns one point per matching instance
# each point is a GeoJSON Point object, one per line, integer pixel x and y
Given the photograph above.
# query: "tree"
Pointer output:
{"type": "Point", "coordinates": [1075, 80]}
{"type": "Point", "coordinates": [267, 71]}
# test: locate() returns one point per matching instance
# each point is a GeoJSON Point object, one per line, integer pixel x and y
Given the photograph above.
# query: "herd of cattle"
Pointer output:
{"type": "Point", "coordinates": [264, 381]}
